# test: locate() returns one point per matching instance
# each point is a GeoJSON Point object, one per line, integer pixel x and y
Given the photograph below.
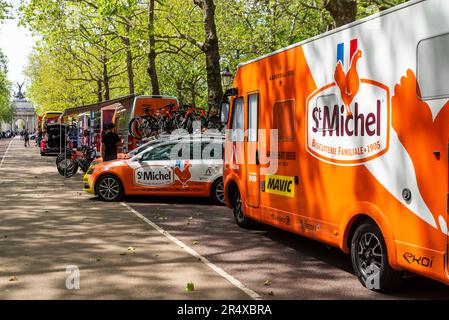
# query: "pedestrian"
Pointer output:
{"type": "Point", "coordinates": [110, 143]}
{"type": "Point", "coordinates": [26, 137]}
{"type": "Point", "coordinates": [38, 137]}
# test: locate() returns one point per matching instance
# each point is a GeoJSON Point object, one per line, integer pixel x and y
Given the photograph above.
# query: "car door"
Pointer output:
{"type": "Point", "coordinates": [211, 167]}
{"type": "Point", "coordinates": [153, 170]}
{"type": "Point", "coordinates": [187, 167]}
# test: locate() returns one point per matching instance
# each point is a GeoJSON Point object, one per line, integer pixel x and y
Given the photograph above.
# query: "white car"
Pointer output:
{"type": "Point", "coordinates": [177, 167]}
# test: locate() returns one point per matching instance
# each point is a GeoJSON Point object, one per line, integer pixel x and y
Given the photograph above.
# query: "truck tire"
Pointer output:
{"type": "Point", "coordinates": [370, 259]}
{"type": "Point", "coordinates": [241, 220]}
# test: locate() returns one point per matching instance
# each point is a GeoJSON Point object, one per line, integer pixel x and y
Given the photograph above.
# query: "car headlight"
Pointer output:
{"type": "Point", "coordinates": [90, 171]}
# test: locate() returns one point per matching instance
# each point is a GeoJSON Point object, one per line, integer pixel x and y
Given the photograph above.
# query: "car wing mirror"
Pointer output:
{"type": "Point", "coordinates": [224, 112]}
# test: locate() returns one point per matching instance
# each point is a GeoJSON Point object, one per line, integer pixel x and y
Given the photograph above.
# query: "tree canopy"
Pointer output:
{"type": "Point", "coordinates": [6, 109]}
{"type": "Point", "coordinates": [94, 50]}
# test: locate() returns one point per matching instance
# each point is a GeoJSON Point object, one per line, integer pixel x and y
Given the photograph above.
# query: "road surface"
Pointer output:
{"type": "Point", "coordinates": [48, 223]}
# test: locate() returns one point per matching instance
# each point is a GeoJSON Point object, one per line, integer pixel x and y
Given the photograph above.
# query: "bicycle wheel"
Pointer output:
{"type": "Point", "coordinates": [133, 128]}
{"type": "Point", "coordinates": [173, 123]}
{"type": "Point", "coordinates": [143, 128]}
{"type": "Point", "coordinates": [154, 125]}
{"type": "Point", "coordinates": [67, 168]}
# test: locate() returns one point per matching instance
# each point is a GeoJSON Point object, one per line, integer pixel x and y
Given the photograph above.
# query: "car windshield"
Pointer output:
{"type": "Point", "coordinates": [141, 148]}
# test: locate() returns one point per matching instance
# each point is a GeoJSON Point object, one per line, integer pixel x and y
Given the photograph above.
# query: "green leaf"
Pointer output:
{"type": "Point", "coordinates": [190, 287]}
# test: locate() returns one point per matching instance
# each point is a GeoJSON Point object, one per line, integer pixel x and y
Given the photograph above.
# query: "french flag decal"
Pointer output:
{"type": "Point", "coordinates": [341, 55]}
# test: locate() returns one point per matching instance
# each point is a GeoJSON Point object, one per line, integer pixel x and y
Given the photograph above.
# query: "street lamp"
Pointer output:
{"type": "Point", "coordinates": [226, 78]}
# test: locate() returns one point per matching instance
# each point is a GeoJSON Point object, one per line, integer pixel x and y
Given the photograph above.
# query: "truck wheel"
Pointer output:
{"type": "Point", "coordinates": [110, 188]}
{"type": "Point", "coordinates": [217, 191]}
{"type": "Point", "coordinates": [370, 259]}
{"type": "Point", "coordinates": [240, 219]}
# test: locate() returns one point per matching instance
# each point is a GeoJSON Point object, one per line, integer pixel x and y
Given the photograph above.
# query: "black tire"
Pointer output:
{"type": "Point", "coordinates": [67, 168]}
{"type": "Point", "coordinates": [148, 127]}
{"type": "Point", "coordinates": [85, 164]}
{"type": "Point", "coordinates": [217, 191]}
{"type": "Point", "coordinates": [132, 129]}
{"type": "Point", "coordinates": [70, 170]}
{"type": "Point", "coordinates": [59, 158]}
{"type": "Point", "coordinates": [370, 259]}
{"type": "Point", "coordinates": [116, 190]}
{"type": "Point", "coordinates": [175, 122]}
{"type": "Point", "coordinates": [240, 218]}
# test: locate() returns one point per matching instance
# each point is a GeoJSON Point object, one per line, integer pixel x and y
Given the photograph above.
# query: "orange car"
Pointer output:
{"type": "Point", "coordinates": [192, 167]}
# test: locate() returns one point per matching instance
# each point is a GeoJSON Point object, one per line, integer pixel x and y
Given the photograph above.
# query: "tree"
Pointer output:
{"type": "Point", "coordinates": [92, 50]}
{"type": "Point", "coordinates": [209, 47]}
{"type": "Point", "coordinates": [6, 108]}
{"type": "Point", "coordinates": [152, 72]}
{"type": "Point", "coordinates": [342, 11]}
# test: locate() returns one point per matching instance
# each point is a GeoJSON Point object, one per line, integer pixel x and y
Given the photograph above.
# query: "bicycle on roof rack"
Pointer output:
{"type": "Point", "coordinates": [191, 115]}
{"type": "Point", "coordinates": [151, 123]}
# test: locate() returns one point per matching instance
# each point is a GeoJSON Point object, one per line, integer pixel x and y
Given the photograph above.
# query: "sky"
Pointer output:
{"type": "Point", "coordinates": [16, 43]}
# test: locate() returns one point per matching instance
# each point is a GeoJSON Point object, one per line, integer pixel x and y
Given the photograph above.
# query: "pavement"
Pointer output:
{"type": "Point", "coordinates": [50, 232]}
{"type": "Point", "coordinates": [4, 143]}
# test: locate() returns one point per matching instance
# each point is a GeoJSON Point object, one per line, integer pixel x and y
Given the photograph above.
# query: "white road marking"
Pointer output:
{"type": "Point", "coordinates": [7, 149]}
{"type": "Point", "coordinates": [195, 254]}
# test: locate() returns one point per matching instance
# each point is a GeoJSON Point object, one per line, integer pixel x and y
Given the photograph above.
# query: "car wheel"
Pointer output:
{"type": "Point", "coordinates": [240, 219]}
{"type": "Point", "coordinates": [110, 188]}
{"type": "Point", "coordinates": [370, 259]}
{"type": "Point", "coordinates": [217, 191]}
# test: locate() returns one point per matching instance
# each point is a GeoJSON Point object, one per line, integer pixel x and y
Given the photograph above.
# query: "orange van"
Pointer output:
{"type": "Point", "coordinates": [343, 138]}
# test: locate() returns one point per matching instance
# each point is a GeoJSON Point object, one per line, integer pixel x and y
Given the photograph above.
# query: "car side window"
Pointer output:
{"type": "Point", "coordinates": [212, 150]}
{"type": "Point", "coordinates": [158, 153]}
{"type": "Point", "coordinates": [182, 151]}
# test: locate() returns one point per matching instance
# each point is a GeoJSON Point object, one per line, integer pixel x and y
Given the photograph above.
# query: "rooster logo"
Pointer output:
{"type": "Point", "coordinates": [183, 175]}
{"type": "Point", "coordinates": [348, 83]}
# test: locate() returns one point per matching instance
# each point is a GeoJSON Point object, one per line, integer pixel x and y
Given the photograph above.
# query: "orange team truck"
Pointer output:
{"type": "Point", "coordinates": [343, 138]}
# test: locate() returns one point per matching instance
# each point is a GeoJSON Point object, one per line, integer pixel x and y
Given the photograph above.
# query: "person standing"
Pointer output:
{"type": "Point", "coordinates": [39, 137]}
{"type": "Point", "coordinates": [110, 143]}
{"type": "Point", "coordinates": [26, 137]}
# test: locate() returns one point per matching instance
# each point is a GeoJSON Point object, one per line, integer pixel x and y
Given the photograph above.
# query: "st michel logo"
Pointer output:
{"type": "Point", "coordinates": [348, 120]}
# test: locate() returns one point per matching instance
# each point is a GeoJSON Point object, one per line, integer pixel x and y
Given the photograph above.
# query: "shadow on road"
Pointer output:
{"type": "Point", "coordinates": [298, 268]}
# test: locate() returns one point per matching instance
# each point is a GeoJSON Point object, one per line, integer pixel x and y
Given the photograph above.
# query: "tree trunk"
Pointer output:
{"type": "Point", "coordinates": [107, 91]}
{"type": "Point", "coordinates": [211, 49]}
{"type": "Point", "coordinates": [151, 69]}
{"type": "Point", "coordinates": [100, 91]}
{"type": "Point", "coordinates": [342, 11]}
{"type": "Point", "coordinates": [129, 60]}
